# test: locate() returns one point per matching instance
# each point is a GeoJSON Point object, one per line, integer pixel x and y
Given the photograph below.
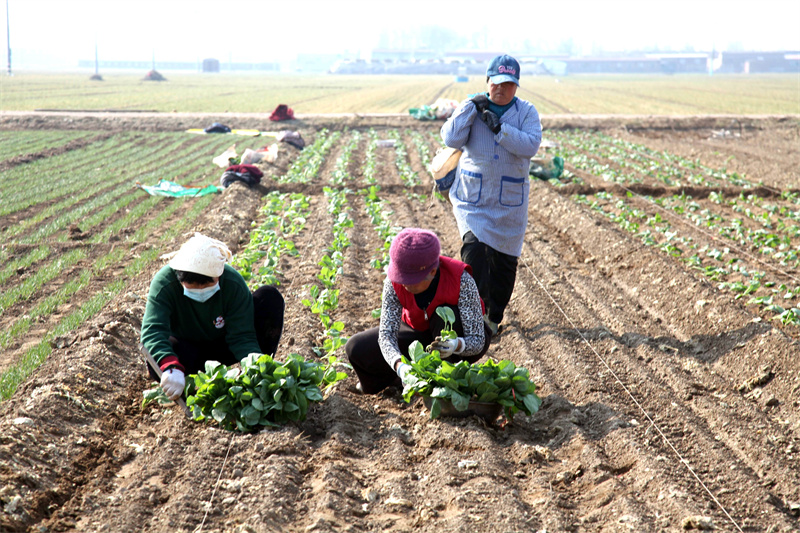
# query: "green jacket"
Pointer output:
{"type": "Point", "coordinates": [228, 314]}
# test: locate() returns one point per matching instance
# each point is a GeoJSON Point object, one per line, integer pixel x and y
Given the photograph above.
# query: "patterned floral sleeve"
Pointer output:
{"type": "Point", "coordinates": [469, 305]}
{"type": "Point", "coordinates": [391, 315]}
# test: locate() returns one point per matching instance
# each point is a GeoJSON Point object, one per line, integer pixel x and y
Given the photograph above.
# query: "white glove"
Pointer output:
{"type": "Point", "coordinates": [403, 370]}
{"type": "Point", "coordinates": [447, 347]}
{"type": "Point", "coordinates": [172, 383]}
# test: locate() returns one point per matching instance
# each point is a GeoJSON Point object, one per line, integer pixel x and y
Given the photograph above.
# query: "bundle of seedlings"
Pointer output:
{"type": "Point", "coordinates": [261, 393]}
{"type": "Point", "coordinates": [450, 389]}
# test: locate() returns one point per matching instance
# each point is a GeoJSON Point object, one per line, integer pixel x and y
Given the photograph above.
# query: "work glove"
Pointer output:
{"type": "Point", "coordinates": [447, 347]}
{"type": "Point", "coordinates": [172, 383]}
{"type": "Point", "coordinates": [481, 102]}
{"type": "Point", "coordinates": [491, 120]}
{"type": "Point", "coordinates": [403, 370]}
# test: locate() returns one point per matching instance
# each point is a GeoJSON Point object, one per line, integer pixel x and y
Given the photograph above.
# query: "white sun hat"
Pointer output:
{"type": "Point", "coordinates": [202, 255]}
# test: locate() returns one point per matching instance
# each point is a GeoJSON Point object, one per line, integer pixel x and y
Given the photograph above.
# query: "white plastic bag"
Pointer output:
{"type": "Point", "coordinates": [270, 155]}
{"type": "Point", "coordinates": [251, 157]}
{"type": "Point", "coordinates": [222, 159]}
{"type": "Point", "coordinates": [444, 107]}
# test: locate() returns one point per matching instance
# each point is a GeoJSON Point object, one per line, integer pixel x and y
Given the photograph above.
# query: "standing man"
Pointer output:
{"type": "Point", "coordinates": [200, 309]}
{"type": "Point", "coordinates": [498, 134]}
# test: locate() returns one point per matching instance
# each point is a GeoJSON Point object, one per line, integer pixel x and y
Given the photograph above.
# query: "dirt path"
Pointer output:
{"type": "Point", "coordinates": [667, 405]}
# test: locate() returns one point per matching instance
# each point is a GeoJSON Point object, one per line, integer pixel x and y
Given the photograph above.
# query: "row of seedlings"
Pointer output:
{"type": "Point", "coordinates": [670, 169]}
{"type": "Point", "coordinates": [323, 299]}
{"type": "Point", "coordinates": [33, 142]}
{"type": "Point", "coordinates": [311, 158]}
{"type": "Point", "coordinates": [408, 176]}
{"type": "Point", "coordinates": [376, 208]}
{"type": "Point", "coordinates": [284, 215]}
{"type": "Point", "coordinates": [720, 265]}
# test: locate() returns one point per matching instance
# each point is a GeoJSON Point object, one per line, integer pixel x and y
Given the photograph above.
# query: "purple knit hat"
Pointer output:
{"type": "Point", "coordinates": [413, 254]}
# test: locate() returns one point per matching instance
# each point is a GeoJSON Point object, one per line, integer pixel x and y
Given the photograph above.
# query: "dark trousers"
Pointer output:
{"type": "Point", "coordinates": [375, 374]}
{"type": "Point", "coordinates": [268, 321]}
{"type": "Point", "coordinates": [494, 273]}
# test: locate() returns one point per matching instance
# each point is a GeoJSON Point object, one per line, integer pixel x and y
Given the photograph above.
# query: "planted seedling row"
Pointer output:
{"type": "Point", "coordinates": [340, 174]}
{"type": "Point", "coordinates": [47, 179]}
{"type": "Point", "coordinates": [101, 209]}
{"type": "Point", "coordinates": [46, 272]}
{"type": "Point", "coordinates": [381, 218]}
{"type": "Point", "coordinates": [423, 148]}
{"type": "Point", "coordinates": [717, 265]}
{"type": "Point", "coordinates": [761, 240]}
{"type": "Point", "coordinates": [324, 301]}
{"type": "Point", "coordinates": [408, 176]}
{"type": "Point", "coordinates": [32, 286]}
{"type": "Point", "coordinates": [778, 247]}
{"type": "Point", "coordinates": [140, 169]}
{"type": "Point", "coordinates": [308, 162]}
{"type": "Point", "coordinates": [764, 212]}
{"type": "Point", "coordinates": [669, 169]}
{"type": "Point", "coordinates": [377, 208]}
{"type": "Point", "coordinates": [694, 169]}
{"type": "Point", "coordinates": [16, 143]}
{"type": "Point", "coordinates": [368, 167]}
{"type": "Point", "coordinates": [98, 165]}
{"type": "Point", "coordinates": [284, 215]}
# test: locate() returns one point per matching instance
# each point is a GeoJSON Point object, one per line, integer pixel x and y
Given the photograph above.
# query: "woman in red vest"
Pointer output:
{"type": "Point", "coordinates": [418, 281]}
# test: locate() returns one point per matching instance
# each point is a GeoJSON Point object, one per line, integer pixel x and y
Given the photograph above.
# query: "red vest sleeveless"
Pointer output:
{"type": "Point", "coordinates": [447, 293]}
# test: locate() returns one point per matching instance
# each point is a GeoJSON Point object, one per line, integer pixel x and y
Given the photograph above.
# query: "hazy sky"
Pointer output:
{"type": "Point", "coordinates": [58, 33]}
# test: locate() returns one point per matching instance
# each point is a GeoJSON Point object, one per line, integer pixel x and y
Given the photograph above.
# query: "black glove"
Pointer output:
{"type": "Point", "coordinates": [491, 120]}
{"type": "Point", "coordinates": [481, 102]}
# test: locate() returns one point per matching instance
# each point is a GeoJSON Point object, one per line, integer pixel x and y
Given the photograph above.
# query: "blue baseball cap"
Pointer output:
{"type": "Point", "coordinates": [502, 69]}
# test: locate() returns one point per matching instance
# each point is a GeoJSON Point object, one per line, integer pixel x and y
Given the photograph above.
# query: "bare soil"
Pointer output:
{"type": "Point", "coordinates": [668, 405]}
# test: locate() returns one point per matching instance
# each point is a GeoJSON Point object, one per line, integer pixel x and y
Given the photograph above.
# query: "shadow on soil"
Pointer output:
{"type": "Point", "coordinates": [705, 348]}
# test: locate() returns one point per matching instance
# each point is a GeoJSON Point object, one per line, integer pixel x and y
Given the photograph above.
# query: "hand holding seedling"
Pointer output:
{"type": "Point", "coordinates": [447, 342]}
{"type": "Point", "coordinates": [447, 347]}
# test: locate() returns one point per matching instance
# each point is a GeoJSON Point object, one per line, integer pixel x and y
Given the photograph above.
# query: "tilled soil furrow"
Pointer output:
{"type": "Point", "coordinates": [674, 378]}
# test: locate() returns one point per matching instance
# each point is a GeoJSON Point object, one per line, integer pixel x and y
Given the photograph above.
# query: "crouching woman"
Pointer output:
{"type": "Point", "coordinates": [418, 281]}
{"type": "Point", "coordinates": [200, 309]}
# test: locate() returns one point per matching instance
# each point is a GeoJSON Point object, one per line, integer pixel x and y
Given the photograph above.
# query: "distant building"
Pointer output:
{"type": "Point", "coordinates": [180, 65]}
{"type": "Point", "coordinates": [760, 62]}
{"type": "Point", "coordinates": [403, 55]}
{"type": "Point", "coordinates": [474, 62]}
{"type": "Point", "coordinates": [211, 65]}
{"type": "Point", "coordinates": [313, 63]}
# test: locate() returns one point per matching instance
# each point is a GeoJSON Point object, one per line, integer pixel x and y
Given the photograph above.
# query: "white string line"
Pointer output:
{"type": "Point", "coordinates": [219, 477]}
{"type": "Point", "coordinates": [632, 397]}
{"type": "Point", "coordinates": [230, 443]}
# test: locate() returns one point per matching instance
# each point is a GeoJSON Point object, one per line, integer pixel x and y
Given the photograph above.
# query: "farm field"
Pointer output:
{"type": "Point", "coordinates": [656, 307]}
{"type": "Point", "coordinates": [313, 94]}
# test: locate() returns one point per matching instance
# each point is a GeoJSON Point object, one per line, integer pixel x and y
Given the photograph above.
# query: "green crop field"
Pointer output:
{"type": "Point", "coordinates": [307, 94]}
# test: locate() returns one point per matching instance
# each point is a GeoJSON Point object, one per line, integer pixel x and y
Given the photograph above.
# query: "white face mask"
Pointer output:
{"type": "Point", "coordinates": [201, 295]}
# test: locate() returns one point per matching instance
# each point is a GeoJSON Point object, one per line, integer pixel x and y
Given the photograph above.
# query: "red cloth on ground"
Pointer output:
{"type": "Point", "coordinates": [282, 112]}
{"type": "Point", "coordinates": [250, 169]}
